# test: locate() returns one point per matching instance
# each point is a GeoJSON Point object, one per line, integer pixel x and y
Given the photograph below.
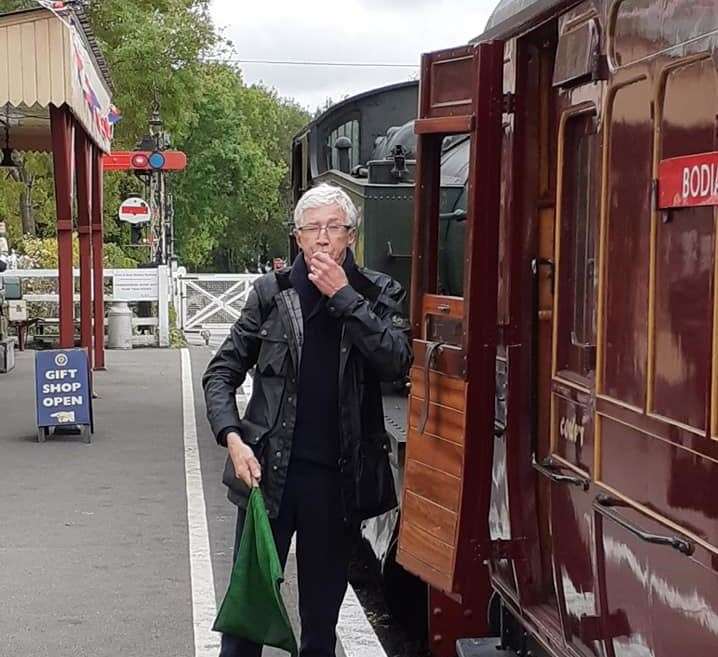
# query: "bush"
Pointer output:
{"type": "Point", "coordinates": [177, 337]}
{"type": "Point", "coordinates": [41, 253]}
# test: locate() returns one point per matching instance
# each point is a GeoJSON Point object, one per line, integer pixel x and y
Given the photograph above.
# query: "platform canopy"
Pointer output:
{"type": "Point", "coordinates": [51, 58]}
{"type": "Point", "coordinates": [55, 96]}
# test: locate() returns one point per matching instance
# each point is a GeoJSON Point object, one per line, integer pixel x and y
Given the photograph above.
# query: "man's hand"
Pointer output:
{"type": "Point", "coordinates": [246, 466]}
{"type": "Point", "coordinates": [326, 274]}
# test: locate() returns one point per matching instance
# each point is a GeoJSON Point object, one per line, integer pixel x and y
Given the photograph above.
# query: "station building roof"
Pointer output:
{"type": "Point", "coordinates": [51, 58]}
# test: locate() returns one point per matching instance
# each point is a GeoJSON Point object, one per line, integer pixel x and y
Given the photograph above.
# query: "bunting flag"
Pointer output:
{"type": "Point", "coordinates": [100, 115]}
{"type": "Point", "coordinates": [114, 115]}
{"type": "Point", "coordinates": [103, 115]}
{"type": "Point", "coordinates": [53, 5]}
{"type": "Point", "coordinates": [59, 9]}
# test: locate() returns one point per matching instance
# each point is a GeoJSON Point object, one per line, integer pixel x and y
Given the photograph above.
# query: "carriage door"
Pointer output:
{"type": "Point", "coordinates": [444, 528]}
{"type": "Point", "coordinates": [568, 465]}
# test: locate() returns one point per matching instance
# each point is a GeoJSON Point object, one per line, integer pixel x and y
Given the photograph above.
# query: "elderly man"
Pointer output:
{"type": "Point", "coordinates": [323, 334]}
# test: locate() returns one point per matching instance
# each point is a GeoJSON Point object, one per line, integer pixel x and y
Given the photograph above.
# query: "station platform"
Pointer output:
{"type": "Point", "coordinates": [95, 541]}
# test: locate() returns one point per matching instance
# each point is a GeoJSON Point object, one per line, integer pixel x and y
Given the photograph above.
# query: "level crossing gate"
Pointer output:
{"type": "Point", "coordinates": [212, 302]}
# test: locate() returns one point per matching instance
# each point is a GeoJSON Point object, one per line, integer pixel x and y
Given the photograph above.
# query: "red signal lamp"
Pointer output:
{"type": "Point", "coordinates": [139, 161]}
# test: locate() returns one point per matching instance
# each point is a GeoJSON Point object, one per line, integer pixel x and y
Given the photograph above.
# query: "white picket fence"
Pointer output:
{"type": "Point", "coordinates": [204, 303]}
{"type": "Point", "coordinates": [211, 302]}
{"type": "Point", "coordinates": [126, 285]}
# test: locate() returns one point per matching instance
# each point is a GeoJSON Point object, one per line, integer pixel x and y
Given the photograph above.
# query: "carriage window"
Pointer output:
{"type": "Point", "coordinates": [628, 227]}
{"type": "Point", "coordinates": [452, 217]}
{"type": "Point", "coordinates": [300, 173]}
{"type": "Point", "coordinates": [684, 257]}
{"type": "Point", "coordinates": [577, 259]}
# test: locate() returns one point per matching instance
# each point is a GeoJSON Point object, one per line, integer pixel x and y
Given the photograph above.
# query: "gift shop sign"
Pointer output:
{"type": "Point", "coordinates": [690, 181]}
{"type": "Point", "coordinates": [62, 385]}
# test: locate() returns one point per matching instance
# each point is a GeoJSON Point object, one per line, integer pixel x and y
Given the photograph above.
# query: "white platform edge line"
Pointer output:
{"type": "Point", "coordinates": [204, 608]}
{"type": "Point", "coordinates": [354, 631]}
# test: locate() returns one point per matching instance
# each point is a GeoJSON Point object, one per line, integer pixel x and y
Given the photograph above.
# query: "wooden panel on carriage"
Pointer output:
{"type": "Point", "coordinates": [444, 523]}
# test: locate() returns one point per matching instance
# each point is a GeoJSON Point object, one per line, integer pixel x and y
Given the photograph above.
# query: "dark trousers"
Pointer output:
{"type": "Point", "coordinates": [311, 507]}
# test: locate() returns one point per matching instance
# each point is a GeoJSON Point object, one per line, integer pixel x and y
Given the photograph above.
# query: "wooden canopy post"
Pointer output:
{"type": "Point", "coordinates": [97, 259]}
{"type": "Point", "coordinates": [62, 127]}
{"type": "Point", "coordinates": [83, 152]}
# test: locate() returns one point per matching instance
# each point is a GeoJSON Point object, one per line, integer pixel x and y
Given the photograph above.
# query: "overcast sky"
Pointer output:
{"type": "Point", "coordinates": [386, 31]}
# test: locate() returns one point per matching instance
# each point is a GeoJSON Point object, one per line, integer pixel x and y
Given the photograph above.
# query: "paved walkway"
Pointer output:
{"type": "Point", "coordinates": [95, 539]}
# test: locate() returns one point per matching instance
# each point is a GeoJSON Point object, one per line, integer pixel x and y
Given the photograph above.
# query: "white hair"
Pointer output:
{"type": "Point", "coordinates": [323, 195]}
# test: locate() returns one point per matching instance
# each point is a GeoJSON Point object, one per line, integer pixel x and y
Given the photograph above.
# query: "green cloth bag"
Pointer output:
{"type": "Point", "coordinates": [253, 607]}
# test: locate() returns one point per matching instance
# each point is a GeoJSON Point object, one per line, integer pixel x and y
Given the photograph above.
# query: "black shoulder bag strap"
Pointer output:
{"type": "Point", "coordinates": [267, 288]}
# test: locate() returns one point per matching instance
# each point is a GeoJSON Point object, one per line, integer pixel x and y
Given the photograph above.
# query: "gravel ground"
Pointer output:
{"type": "Point", "coordinates": [397, 612]}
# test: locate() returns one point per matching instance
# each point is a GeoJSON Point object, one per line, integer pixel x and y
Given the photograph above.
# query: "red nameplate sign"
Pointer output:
{"type": "Point", "coordinates": [690, 181]}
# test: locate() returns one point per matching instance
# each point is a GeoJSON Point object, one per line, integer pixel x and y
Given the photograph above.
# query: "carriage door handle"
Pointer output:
{"type": "Point", "coordinates": [536, 265]}
{"type": "Point", "coordinates": [604, 502]}
{"type": "Point", "coordinates": [546, 468]}
{"type": "Point", "coordinates": [429, 360]}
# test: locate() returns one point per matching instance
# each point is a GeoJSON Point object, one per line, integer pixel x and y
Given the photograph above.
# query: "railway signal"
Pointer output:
{"type": "Point", "coordinates": [150, 162]}
{"type": "Point", "coordinates": [145, 161]}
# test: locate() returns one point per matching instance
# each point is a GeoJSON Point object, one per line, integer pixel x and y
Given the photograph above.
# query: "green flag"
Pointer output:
{"type": "Point", "coordinates": [253, 607]}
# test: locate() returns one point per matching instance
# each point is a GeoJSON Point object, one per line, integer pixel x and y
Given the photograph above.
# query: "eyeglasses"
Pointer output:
{"type": "Point", "coordinates": [333, 230]}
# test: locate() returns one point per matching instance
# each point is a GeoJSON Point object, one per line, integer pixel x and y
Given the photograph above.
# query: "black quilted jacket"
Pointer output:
{"type": "Point", "coordinates": [374, 348]}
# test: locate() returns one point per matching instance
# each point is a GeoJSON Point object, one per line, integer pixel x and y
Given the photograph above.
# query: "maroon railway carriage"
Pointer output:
{"type": "Point", "coordinates": [564, 412]}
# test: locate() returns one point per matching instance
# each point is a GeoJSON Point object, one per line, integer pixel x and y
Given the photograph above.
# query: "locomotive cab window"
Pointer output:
{"type": "Point", "coordinates": [578, 218]}
{"type": "Point", "coordinates": [350, 131]}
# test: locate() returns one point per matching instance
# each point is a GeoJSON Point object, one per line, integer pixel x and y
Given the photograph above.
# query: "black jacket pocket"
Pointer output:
{"type": "Point", "coordinates": [273, 350]}
{"type": "Point", "coordinates": [374, 483]}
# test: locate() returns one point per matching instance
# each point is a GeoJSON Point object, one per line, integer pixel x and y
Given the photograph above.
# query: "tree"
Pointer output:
{"type": "Point", "coordinates": [35, 192]}
{"type": "Point", "coordinates": [231, 202]}
{"type": "Point", "coordinates": [26, 178]}
{"type": "Point", "coordinates": [12, 5]}
{"type": "Point", "coordinates": [275, 121]}
{"type": "Point", "coordinates": [27, 196]}
{"type": "Point", "coordinates": [155, 50]}
{"type": "Point", "coordinates": [227, 197]}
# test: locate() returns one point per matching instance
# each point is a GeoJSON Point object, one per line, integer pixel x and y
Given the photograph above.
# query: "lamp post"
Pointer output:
{"type": "Point", "coordinates": [7, 159]}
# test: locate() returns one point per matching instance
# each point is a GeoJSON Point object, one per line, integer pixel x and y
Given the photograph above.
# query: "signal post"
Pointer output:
{"type": "Point", "coordinates": [151, 166]}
